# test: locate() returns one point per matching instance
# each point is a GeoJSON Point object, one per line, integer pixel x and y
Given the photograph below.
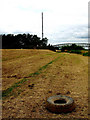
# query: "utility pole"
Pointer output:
{"type": "Point", "coordinates": [42, 26]}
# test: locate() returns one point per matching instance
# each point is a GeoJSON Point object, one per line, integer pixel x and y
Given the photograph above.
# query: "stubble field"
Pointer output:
{"type": "Point", "coordinates": [29, 77]}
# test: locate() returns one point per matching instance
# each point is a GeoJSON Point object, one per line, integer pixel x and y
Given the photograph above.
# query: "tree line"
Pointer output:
{"type": "Point", "coordinates": [25, 41]}
{"type": "Point", "coordinates": [71, 47]}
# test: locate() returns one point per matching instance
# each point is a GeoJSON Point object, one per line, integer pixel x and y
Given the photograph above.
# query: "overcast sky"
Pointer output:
{"type": "Point", "coordinates": [64, 20]}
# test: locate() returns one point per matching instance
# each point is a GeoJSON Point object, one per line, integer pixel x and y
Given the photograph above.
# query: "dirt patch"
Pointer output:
{"type": "Point", "coordinates": [67, 75]}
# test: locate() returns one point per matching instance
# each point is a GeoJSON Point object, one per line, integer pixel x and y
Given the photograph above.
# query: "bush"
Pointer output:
{"type": "Point", "coordinates": [72, 48]}
{"type": "Point", "coordinates": [86, 54]}
{"type": "Point", "coordinates": [50, 47]}
{"type": "Point", "coordinates": [76, 51]}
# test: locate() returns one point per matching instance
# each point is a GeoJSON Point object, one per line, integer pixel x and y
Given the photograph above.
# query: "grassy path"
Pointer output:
{"type": "Point", "coordinates": [6, 92]}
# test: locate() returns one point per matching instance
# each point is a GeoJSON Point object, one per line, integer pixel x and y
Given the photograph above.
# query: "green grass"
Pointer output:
{"type": "Point", "coordinates": [9, 90]}
{"type": "Point", "coordinates": [42, 68]}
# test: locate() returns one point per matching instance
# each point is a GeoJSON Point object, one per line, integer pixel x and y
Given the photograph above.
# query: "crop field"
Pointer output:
{"type": "Point", "coordinates": [30, 76]}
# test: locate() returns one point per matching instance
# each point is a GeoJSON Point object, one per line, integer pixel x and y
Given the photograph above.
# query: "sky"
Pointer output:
{"type": "Point", "coordinates": [64, 20]}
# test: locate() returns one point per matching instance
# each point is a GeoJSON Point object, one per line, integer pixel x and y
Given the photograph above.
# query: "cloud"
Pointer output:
{"type": "Point", "coordinates": [75, 33]}
{"type": "Point", "coordinates": [63, 20]}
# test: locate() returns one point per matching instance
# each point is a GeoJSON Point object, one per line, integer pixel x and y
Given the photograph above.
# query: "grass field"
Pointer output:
{"type": "Point", "coordinates": [29, 77]}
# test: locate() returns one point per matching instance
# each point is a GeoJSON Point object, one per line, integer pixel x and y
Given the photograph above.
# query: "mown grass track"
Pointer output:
{"type": "Point", "coordinates": [6, 92]}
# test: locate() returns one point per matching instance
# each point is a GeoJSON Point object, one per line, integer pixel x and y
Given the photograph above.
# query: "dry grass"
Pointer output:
{"type": "Point", "coordinates": [51, 73]}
